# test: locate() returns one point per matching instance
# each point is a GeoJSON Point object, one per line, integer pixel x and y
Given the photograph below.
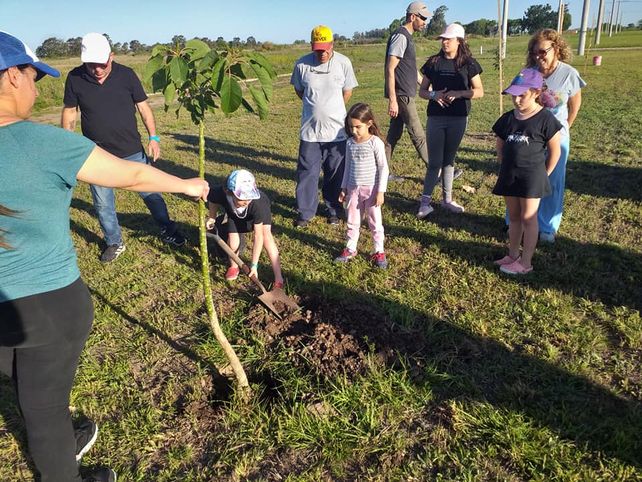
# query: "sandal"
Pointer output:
{"type": "Point", "coordinates": [506, 260]}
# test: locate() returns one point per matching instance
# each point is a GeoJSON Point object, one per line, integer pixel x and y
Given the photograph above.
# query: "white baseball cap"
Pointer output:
{"type": "Point", "coordinates": [95, 49]}
{"type": "Point", "coordinates": [243, 185]}
{"type": "Point", "coordinates": [452, 31]}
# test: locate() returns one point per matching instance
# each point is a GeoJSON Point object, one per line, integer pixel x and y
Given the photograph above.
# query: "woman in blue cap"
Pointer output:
{"type": "Point", "coordinates": [46, 311]}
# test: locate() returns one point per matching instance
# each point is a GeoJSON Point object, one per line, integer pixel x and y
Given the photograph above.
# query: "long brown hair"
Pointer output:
{"type": "Point", "coordinates": [562, 50]}
{"type": "Point", "coordinates": [4, 211]}
{"type": "Point", "coordinates": [463, 56]}
{"type": "Point", "coordinates": [362, 112]}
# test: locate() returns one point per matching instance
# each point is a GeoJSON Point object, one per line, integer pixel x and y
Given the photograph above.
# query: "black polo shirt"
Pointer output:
{"type": "Point", "coordinates": [108, 110]}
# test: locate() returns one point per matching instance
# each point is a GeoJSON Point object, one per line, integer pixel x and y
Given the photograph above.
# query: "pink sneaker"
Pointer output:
{"type": "Point", "coordinates": [232, 273]}
{"type": "Point", "coordinates": [515, 268]}
{"type": "Point", "coordinates": [506, 260]}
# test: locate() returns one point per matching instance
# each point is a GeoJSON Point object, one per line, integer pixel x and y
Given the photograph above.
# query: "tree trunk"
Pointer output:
{"type": "Point", "coordinates": [205, 268]}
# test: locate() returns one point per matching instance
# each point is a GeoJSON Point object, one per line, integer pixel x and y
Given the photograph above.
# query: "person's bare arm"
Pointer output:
{"type": "Point", "coordinates": [424, 91]}
{"type": "Point", "coordinates": [499, 147]}
{"type": "Point", "coordinates": [475, 92]}
{"type": "Point", "coordinates": [574, 104]}
{"type": "Point", "coordinates": [346, 95]}
{"type": "Point", "coordinates": [104, 169]}
{"type": "Point", "coordinates": [146, 114]}
{"type": "Point", "coordinates": [68, 118]}
{"type": "Point", "coordinates": [393, 107]}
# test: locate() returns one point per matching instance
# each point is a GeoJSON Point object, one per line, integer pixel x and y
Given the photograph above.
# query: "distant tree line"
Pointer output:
{"type": "Point", "coordinates": [55, 47]}
{"type": "Point", "coordinates": [534, 18]}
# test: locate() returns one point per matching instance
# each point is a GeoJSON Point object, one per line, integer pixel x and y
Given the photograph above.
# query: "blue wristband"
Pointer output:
{"type": "Point", "coordinates": [154, 138]}
{"type": "Point", "coordinates": [254, 265]}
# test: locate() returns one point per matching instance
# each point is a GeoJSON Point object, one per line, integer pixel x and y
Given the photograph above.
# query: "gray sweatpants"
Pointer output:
{"type": "Point", "coordinates": [444, 136]}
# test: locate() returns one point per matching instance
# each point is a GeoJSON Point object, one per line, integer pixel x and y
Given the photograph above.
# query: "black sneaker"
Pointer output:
{"type": "Point", "coordinates": [175, 239]}
{"type": "Point", "coordinates": [112, 252]}
{"type": "Point", "coordinates": [86, 433]}
{"type": "Point", "coordinates": [104, 474]}
{"type": "Point", "coordinates": [300, 223]}
{"type": "Point", "coordinates": [333, 220]}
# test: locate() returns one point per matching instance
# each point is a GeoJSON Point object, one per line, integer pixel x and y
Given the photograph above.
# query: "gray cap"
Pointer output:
{"type": "Point", "coordinates": [419, 8]}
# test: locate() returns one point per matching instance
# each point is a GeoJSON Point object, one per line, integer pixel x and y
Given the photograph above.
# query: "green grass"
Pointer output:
{"type": "Point", "coordinates": [519, 379]}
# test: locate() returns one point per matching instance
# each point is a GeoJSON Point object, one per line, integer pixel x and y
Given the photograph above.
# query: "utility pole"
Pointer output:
{"type": "Point", "coordinates": [618, 15]}
{"type": "Point", "coordinates": [583, 27]}
{"type": "Point", "coordinates": [611, 19]}
{"type": "Point", "coordinates": [600, 19]}
{"type": "Point", "coordinates": [504, 28]}
{"type": "Point", "coordinates": [560, 17]}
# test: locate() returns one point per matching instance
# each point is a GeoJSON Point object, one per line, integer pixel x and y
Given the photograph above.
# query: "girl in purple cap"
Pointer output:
{"type": "Point", "coordinates": [528, 147]}
{"type": "Point", "coordinates": [246, 210]}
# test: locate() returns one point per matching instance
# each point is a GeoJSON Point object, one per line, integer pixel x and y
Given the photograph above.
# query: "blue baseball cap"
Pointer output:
{"type": "Point", "coordinates": [243, 185]}
{"type": "Point", "coordinates": [14, 52]}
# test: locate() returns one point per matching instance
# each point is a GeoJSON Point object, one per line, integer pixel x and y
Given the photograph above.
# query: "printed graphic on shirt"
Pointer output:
{"type": "Point", "coordinates": [518, 138]}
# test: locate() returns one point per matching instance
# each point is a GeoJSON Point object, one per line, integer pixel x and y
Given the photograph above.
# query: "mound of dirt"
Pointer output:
{"type": "Point", "coordinates": [331, 338]}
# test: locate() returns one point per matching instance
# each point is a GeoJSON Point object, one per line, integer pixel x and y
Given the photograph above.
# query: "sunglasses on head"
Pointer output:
{"type": "Point", "coordinates": [421, 17]}
{"type": "Point", "coordinates": [542, 52]}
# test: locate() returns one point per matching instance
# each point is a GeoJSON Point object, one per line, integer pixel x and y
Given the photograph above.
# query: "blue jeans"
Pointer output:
{"type": "Point", "coordinates": [105, 206]}
{"type": "Point", "coordinates": [314, 156]}
{"type": "Point", "coordinates": [549, 215]}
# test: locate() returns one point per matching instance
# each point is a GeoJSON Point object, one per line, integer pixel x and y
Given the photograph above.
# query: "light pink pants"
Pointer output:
{"type": "Point", "coordinates": [362, 198]}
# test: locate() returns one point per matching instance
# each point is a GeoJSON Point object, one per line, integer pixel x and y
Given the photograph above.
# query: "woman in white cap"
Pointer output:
{"type": "Point", "coordinates": [451, 79]}
{"type": "Point", "coordinates": [45, 308]}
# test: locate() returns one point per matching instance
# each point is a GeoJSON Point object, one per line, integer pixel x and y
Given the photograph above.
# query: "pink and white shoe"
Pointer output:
{"type": "Point", "coordinates": [515, 267]}
{"type": "Point", "coordinates": [506, 260]}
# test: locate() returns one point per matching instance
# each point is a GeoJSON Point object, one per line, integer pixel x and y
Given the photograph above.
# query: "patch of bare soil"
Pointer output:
{"type": "Point", "coordinates": [335, 337]}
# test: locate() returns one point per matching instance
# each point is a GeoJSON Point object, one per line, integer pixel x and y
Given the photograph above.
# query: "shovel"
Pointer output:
{"type": "Point", "coordinates": [266, 297]}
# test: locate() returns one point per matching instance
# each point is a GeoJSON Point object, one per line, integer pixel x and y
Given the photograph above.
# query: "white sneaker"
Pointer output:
{"type": "Point", "coordinates": [453, 207]}
{"type": "Point", "coordinates": [425, 208]}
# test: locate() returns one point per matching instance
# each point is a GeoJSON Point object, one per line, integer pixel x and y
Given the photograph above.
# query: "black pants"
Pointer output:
{"type": "Point", "coordinates": [41, 337]}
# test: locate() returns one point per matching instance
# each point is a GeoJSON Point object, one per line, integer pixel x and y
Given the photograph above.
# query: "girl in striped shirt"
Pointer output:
{"type": "Point", "coordinates": [365, 178]}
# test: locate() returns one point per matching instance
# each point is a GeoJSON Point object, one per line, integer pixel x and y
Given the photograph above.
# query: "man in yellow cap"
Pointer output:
{"type": "Point", "coordinates": [323, 80]}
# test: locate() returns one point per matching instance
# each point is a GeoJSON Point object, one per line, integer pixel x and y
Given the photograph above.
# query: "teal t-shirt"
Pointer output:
{"type": "Point", "coordinates": [38, 168]}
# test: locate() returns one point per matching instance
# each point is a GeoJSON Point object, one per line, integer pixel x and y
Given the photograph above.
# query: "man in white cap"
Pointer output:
{"type": "Point", "coordinates": [108, 95]}
{"type": "Point", "coordinates": [401, 80]}
{"type": "Point", "coordinates": [323, 80]}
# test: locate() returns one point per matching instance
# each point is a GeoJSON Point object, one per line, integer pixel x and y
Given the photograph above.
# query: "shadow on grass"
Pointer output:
{"type": "Point", "coordinates": [459, 365]}
{"type": "Point", "coordinates": [601, 180]}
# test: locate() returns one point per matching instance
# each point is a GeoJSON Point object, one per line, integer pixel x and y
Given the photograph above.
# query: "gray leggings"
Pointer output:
{"type": "Point", "coordinates": [444, 135]}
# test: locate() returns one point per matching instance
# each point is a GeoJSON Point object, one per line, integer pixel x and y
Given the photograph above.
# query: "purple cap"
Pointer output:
{"type": "Point", "coordinates": [526, 79]}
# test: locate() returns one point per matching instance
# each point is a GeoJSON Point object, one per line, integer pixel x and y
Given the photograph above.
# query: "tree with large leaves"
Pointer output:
{"type": "Point", "coordinates": [198, 79]}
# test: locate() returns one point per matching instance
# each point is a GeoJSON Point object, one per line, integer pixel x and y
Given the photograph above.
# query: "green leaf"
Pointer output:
{"type": "Point", "coordinates": [207, 61]}
{"type": "Point", "coordinates": [178, 70]}
{"type": "Point", "coordinates": [264, 79]}
{"type": "Point", "coordinates": [159, 80]}
{"type": "Point", "coordinates": [159, 49]}
{"type": "Point", "coordinates": [237, 70]}
{"type": "Point", "coordinates": [152, 66]}
{"type": "Point", "coordinates": [169, 93]}
{"type": "Point", "coordinates": [261, 101]}
{"type": "Point", "coordinates": [248, 106]}
{"type": "Point", "coordinates": [263, 62]}
{"type": "Point", "coordinates": [218, 73]}
{"type": "Point", "coordinates": [231, 95]}
{"type": "Point", "coordinates": [198, 49]}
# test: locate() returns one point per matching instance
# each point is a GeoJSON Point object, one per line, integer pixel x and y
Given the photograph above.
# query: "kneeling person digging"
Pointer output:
{"type": "Point", "coordinates": [247, 210]}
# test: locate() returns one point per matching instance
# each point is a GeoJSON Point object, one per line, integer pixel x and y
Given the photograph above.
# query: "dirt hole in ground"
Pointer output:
{"type": "Point", "coordinates": [331, 337]}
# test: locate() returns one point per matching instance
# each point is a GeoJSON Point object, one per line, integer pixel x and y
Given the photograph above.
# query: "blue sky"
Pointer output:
{"type": "Point", "coordinates": [278, 21]}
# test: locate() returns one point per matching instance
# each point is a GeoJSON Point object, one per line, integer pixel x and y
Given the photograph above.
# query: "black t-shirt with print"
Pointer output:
{"type": "Point", "coordinates": [523, 169]}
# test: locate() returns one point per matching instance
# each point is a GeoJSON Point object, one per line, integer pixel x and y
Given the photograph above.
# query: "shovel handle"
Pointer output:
{"type": "Point", "coordinates": [236, 258]}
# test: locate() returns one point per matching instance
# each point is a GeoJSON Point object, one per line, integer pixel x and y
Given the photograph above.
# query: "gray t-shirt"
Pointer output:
{"type": "Point", "coordinates": [564, 82]}
{"type": "Point", "coordinates": [366, 164]}
{"type": "Point", "coordinates": [322, 85]}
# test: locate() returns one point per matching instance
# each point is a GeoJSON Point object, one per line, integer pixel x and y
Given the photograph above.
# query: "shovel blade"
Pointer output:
{"type": "Point", "coordinates": [277, 295]}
